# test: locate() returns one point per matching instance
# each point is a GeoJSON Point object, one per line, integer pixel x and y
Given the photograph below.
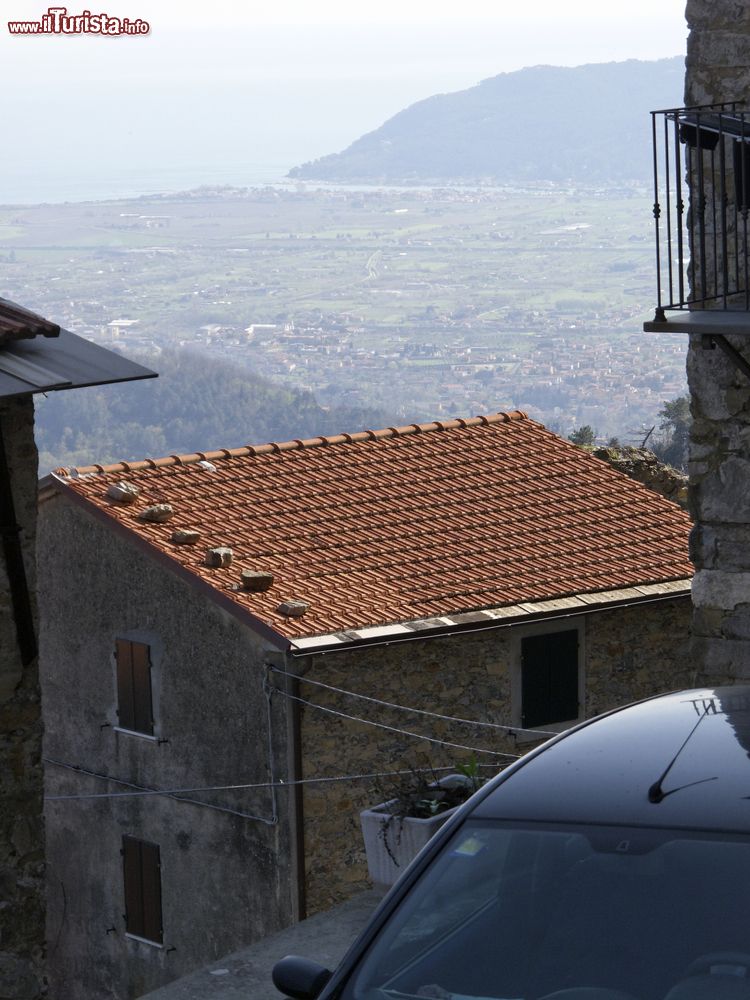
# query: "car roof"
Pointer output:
{"type": "Point", "coordinates": [602, 771]}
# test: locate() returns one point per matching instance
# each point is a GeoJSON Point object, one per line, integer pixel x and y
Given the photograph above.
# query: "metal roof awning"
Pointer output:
{"type": "Point", "coordinates": [58, 361]}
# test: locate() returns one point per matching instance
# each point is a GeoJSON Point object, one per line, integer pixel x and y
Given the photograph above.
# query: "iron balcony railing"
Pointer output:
{"type": "Point", "coordinates": [701, 205]}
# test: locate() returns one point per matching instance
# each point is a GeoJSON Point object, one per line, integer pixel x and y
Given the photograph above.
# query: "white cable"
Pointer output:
{"type": "Point", "coordinates": [174, 793]}
{"type": "Point", "coordinates": [418, 711]}
{"type": "Point", "coordinates": [268, 691]}
{"type": "Point", "coordinates": [401, 732]}
{"type": "Point", "coordinates": [222, 788]}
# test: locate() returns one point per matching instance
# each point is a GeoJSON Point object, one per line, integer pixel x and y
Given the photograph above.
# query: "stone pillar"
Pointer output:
{"type": "Point", "coordinates": [718, 69]}
{"type": "Point", "coordinates": [21, 828]}
{"type": "Point", "coordinates": [718, 51]}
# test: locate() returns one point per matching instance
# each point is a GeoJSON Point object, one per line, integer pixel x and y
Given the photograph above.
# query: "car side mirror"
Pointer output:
{"type": "Point", "coordinates": [300, 978]}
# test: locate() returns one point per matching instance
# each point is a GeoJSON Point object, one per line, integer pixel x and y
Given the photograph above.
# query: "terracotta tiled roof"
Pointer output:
{"type": "Point", "coordinates": [403, 523]}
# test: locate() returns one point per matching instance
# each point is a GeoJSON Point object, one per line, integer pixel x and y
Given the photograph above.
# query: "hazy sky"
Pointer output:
{"type": "Point", "coordinates": [226, 84]}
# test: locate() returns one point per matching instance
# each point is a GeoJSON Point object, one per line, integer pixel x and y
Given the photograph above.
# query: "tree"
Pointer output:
{"type": "Point", "coordinates": [672, 447]}
{"type": "Point", "coordinates": [583, 436]}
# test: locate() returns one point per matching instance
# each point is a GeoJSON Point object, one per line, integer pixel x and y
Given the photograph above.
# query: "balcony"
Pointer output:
{"type": "Point", "coordinates": [701, 159]}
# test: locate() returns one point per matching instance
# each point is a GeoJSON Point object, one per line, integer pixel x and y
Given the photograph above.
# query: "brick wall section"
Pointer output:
{"type": "Point", "coordinates": [718, 69]}
{"type": "Point", "coordinates": [21, 829]}
{"type": "Point", "coordinates": [630, 653]}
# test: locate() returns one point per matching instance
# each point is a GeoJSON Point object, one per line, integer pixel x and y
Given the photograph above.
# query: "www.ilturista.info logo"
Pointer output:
{"type": "Point", "coordinates": [57, 21]}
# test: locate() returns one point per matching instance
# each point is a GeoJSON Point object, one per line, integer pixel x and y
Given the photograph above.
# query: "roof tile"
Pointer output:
{"type": "Point", "coordinates": [420, 521]}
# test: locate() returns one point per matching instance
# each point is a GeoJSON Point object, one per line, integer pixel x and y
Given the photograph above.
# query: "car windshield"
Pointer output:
{"type": "Point", "coordinates": [585, 913]}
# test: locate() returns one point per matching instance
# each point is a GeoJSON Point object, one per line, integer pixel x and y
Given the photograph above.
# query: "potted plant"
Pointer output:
{"type": "Point", "coordinates": [416, 806]}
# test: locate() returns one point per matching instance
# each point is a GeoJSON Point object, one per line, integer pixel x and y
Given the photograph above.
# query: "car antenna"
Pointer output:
{"type": "Point", "coordinates": [656, 793]}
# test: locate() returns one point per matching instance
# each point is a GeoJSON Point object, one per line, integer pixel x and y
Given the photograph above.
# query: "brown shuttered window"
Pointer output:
{"type": "Point", "coordinates": [142, 880]}
{"type": "Point", "coordinates": [134, 705]}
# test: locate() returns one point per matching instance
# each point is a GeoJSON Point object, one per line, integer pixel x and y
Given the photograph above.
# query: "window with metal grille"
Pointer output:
{"type": "Point", "coordinates": [549, 678]}
{"type": "Point", "coordinates": [134, 703]}
{"type": "Point", "coordinates": [142, 881]}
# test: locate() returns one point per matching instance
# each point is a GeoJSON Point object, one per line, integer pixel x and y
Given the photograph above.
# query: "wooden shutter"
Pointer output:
{"type": "Point", "coordinates": [125, 693]}
{"type": "Point", "coordinates": [151, 882]}
{"type": "Point", "coordinates": [141, 666]}
{"type": "Point", "coordinates": [134, 704]}
{"type": "Point", "coordinates": [131, 870]}
{"type": "Point", "coordinates": [549, 678]}
{"type": "Point", "coordinates": [142, 881]}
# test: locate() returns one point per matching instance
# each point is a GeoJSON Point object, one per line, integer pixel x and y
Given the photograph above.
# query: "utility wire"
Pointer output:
{"type": "Point", "coordinates": [175, 792]}
{"type": "Point", "coordinates": [178, 793]}
{"type": "Point", "coordinates": [512, 730]}
{"type": "Point", "coordinates": [393, 729]}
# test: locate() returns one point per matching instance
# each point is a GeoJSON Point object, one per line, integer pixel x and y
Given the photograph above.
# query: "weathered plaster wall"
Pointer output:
{"type": "Point", "coordinates": [718, 69]}
{"type": "Point", "coordinates": [21, 829]}
{"type": "Point", "coordinates": [227, 880]}
{"type": "Point", "coordinates": [629, 653]}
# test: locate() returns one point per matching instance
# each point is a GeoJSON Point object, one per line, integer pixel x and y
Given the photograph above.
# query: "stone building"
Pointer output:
{"type": "Point", "coordinates": [718, 69]}
{"type": "Point", "coordinates": [35, 356]}
{"type": "Point", "coordinates": [709, 299]}
{"type": "Point", "coordinates": [244, 625]}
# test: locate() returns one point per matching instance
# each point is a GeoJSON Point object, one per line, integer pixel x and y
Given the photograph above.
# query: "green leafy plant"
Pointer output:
{"type": "Point", "coordinates": [421, 793]}
{"type": "Point", "coordinates": [470, 770]}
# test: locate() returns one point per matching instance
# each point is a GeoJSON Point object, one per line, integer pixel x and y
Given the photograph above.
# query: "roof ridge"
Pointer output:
{"type": "Point", "coordinates": [296, 444]}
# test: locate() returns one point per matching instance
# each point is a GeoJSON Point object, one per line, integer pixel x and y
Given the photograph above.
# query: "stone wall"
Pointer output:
{"type": "Point", "coordinates": [21, 830]}
{"type": "Point", "coordinates": [628, 653]}
{"type": "Point", "coordinates": [718, 69]}
{"type": "Point", "coordinates": [718, 51]}
{"type": "Point", "coordinates": [644, 467]}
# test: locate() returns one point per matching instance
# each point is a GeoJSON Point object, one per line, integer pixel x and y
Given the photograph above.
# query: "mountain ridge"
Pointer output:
{"type": "Point", "coordinates": [589, 124]}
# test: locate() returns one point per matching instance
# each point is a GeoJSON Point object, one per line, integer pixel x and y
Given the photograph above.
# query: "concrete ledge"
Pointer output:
{"type": "Point", "coordinates": [246, 974]}
{"type": "Point", "coordinates": [702, 321]}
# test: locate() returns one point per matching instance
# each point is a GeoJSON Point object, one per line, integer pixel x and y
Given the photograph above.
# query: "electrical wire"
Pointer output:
{"type": "Point", "coordinates": [142, 790]}
{"type": "Point", "coordinates": [268, 692]}
{"type": "Point", "coordinates": [176, 792]}
{"type": "Point", "coordinates": [512, 730]}
{"type": "Point", "coordinates": [393, 729]}
{"type": "Point", "coordinates": [179, 793]}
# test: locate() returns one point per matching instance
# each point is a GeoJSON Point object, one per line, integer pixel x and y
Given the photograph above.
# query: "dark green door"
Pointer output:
{"type": "Point", "coordinates": [549, 678]}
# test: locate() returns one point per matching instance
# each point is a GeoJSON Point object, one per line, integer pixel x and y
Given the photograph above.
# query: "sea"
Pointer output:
{"type": "Point", "coordinates": [46, 187]}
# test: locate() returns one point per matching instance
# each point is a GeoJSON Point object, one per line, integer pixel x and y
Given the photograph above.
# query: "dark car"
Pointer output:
{"type": "Point", "coordinates": [612, 863]}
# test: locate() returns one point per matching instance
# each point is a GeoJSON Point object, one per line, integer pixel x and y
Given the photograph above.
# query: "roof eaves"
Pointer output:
{"type": "Point", "coordinates": [491, 618]}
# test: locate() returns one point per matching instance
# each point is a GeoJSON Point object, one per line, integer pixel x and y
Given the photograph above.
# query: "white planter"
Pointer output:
{"type": "Point", "coordinates": [389, 837]}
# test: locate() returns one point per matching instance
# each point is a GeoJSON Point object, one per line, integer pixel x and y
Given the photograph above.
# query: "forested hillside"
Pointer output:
{"type": "Point", "coordinates": [196, 404]}
{"type": "Point", "coordinates": [589, 124]}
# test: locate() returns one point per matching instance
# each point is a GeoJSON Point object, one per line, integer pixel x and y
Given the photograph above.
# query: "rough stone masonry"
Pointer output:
{"type": "Point", "coordinates": [21, 829]}
{"type": "Point", "coordinates": [718, 69]}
